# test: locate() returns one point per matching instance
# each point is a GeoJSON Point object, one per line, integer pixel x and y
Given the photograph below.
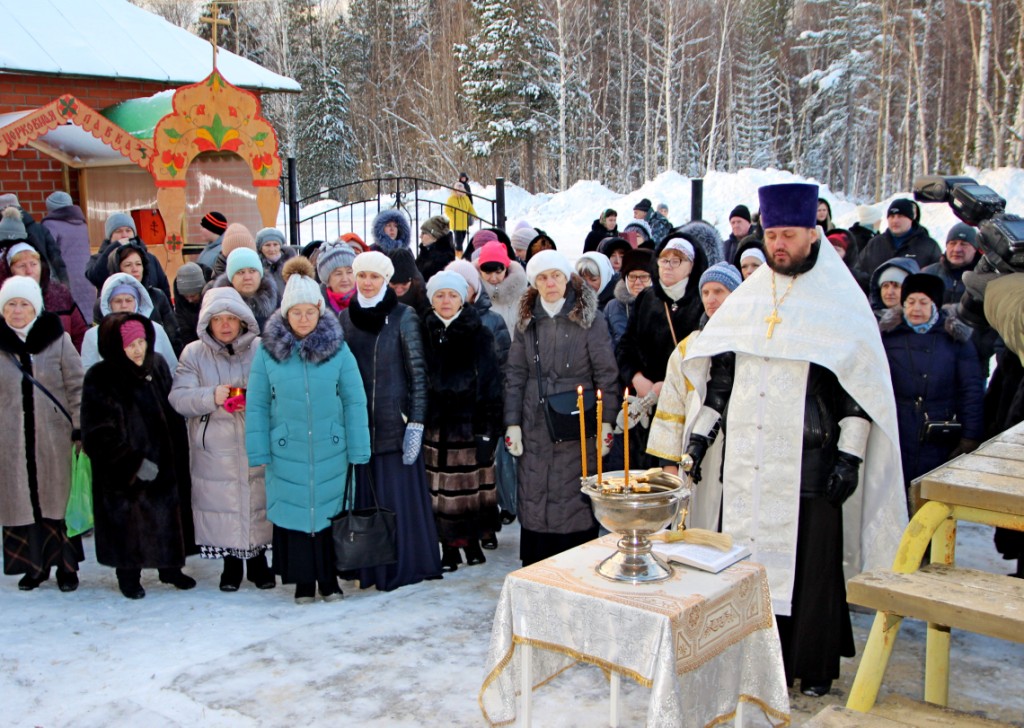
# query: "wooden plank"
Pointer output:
{"type": "Point", "coordinates": [980, 463]}
{"type": "Point", "coordinates": [903, 710]}
{"type": "Point", "coordinates": [835, 716]}
{"type": "Point", "coordinates": [1007, 450]}
{"type": "Point", "coordinates": [966, 599]}
{"type": "Point", "coordinates": [1015, 435]}
{"type": "Point", "coordinates": [988, 491]}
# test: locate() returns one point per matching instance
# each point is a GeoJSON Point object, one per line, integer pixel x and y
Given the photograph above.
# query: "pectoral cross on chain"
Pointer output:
{"type": "Point", "coordinates": [771, 320]}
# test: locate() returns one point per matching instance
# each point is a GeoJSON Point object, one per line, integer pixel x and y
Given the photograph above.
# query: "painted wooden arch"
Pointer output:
{"type": "Point", "coordinates": [214, 116]}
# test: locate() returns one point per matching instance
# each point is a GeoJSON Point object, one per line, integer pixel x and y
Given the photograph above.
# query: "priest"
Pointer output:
{"type": "Point", "coordinates": [811, 475]}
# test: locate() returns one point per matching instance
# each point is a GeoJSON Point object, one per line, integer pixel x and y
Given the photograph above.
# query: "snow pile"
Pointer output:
{"type": "Point", "coordinates": [567, 216]}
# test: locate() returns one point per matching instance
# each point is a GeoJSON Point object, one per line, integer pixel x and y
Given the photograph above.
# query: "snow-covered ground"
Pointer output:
{"type": "Point", "coordinates": [567, 216]}
{"type": "Point", "coordinates": [412, 657]}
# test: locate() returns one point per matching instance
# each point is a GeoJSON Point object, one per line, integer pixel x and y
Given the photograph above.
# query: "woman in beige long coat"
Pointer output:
{"type": "Point", "coordinates": [36, 475]}
{"type": "Point", "coordinates": [229, 500]}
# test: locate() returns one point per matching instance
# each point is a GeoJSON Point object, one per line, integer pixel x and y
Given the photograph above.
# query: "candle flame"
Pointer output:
{"type": "Point", "coordinates": [599, 394]}
{"type": "Point", "coordinates": [579, 389]}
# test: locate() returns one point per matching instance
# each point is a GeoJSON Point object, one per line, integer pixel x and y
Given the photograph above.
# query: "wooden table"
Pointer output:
{"type": "Point", "coordinates": [986, 486]}
{"type": "Point", "coordinates": [703, 643]}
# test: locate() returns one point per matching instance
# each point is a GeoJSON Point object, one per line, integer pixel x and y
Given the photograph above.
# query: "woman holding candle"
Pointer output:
{"type": "Point", "coordinates": [560, 324]}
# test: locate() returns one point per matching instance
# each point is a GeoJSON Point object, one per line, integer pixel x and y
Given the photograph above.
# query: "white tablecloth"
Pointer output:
{"type": "Point", "coordinates": [701, 642]}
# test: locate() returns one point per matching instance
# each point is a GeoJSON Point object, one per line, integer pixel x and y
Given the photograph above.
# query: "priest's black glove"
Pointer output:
{"type": "Point", "coordinates": [842, 481]}
{"type": "Point", "coordinates": [697, 448]}
{"type": "Point", "coordinates": [484, 450]}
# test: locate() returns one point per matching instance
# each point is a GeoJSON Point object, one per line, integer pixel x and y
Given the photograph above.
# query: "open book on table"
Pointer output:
{"type": "Point", "coordinates": [707, 558]}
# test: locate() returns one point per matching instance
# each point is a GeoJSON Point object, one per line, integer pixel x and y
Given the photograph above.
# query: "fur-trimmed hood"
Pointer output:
{"type": "Point", "coordinates": [320, 345]}
{"type": "Point", "coordinates": [958, 329]}
{"type": "Point", "coordinates": [381, 241]}
{"type": "Point", "coordinates": [622, 294]}
{"type": "Point", "coordinates": [580, 305]}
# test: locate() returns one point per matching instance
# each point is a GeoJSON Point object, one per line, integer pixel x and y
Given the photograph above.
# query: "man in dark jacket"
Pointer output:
{"type": "Point", "coordinates": [606, 226]}
{"type": "Point", "coordinates": [739, 222]}
{"type": "Point", "coordinates": [39, 237]}
{"type": "Point", "coordinates": [905, 238]}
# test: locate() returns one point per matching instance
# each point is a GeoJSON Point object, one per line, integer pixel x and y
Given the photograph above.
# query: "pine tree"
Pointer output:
{"type": "Point", "coordinates": [509, 71]}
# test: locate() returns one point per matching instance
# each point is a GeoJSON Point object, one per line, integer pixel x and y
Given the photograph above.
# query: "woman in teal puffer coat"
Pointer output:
{"type": "Point", "coordinates": [306, 420]}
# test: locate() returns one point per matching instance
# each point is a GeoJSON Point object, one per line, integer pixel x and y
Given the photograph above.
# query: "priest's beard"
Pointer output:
{"type": "Point", "coordinates": [797, 263]}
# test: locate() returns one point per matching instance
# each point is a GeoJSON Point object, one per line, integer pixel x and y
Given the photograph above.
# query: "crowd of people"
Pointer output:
{"type": "Point", "coordinates": [224, 415]}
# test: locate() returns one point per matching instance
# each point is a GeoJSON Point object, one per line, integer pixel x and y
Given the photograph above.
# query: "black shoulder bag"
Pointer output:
{"type": "Point", "coordinates": [363, 537]}
{"type": "Point", "coordinates": [561, 410]}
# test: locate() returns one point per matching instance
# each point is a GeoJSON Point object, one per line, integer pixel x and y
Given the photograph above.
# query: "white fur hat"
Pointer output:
{"type": "Point", "coordinates": [374, 262]}
{"type": "Point", "coordinates": [547, 260]}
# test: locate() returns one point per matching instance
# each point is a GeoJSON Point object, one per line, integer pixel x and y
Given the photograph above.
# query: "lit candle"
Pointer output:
{"type": "Point", "coordinates": [625, 435]}
{"type": "Point", "coordinates": [600, 416]}
{"type": "Point", "coordinates": [583, 427]}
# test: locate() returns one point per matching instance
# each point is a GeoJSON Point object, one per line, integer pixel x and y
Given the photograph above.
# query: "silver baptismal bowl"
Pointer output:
{"type": "Point", "coordinates": [635, 516]}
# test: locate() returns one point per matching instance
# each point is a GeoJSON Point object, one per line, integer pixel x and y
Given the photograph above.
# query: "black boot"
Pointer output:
{"type": "Point", "coordinates": [489, 541]}
{"type": "Point", "coordinates": [231, 578]}
{"type": "Point", "coordinates": [259, 573]}
{"type": "Point", "coordinates": [815, 688]}
{"type": "Point", "coordinates": [129, 581]}
{"type": "Point", "coordinates": [473, 553]}
{"type": "Point", "coordinates": [305, 592]}
{"type": "Point", "coordinates": [30, 582]}
{"type": "Point", "coordinates": [176, 578]}
{"type": "Point", "coordinates": [450, 558]}
{"type": "Point", "coordinates": [67, 581]}
{"type": "Point", "coordinates": [330, 591]}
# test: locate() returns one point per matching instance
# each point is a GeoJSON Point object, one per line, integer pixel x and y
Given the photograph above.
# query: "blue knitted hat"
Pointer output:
{"type": "Point", "coordinates": [241, 258]}
{"type": "Point", "coordinates": [723, 273]}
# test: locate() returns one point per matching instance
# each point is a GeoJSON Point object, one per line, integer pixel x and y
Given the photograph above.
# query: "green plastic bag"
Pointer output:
{"type": "Point", "coordinates": [78, 516]}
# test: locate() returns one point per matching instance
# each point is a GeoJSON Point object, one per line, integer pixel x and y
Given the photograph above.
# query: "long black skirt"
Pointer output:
{"type": "Point", "coordinates": [302, 558]}
{"type": "Point", "coordinates": [404, 490]}
{"type": "Point", "coordinates": [536, 546]}
{"type": "Point", "coordinates": [818, 631]}
{"type": "Point", "coordinates": [36, 548]}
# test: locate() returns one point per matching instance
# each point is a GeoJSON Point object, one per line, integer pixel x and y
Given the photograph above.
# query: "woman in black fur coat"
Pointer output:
{"type": "Point", "coordinates": [139, 452]}
{"type": "Point", "coordinates": [463, 420]}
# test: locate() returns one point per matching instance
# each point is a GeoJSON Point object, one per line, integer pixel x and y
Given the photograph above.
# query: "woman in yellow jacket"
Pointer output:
{"type": "Point", "coordinates": [669, 429]}
{"type": "Point", "coordinates": [459, 211]}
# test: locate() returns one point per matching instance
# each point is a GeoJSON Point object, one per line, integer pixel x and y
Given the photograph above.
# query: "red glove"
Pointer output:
{"type": "Point", "coordinates": [234, 404]}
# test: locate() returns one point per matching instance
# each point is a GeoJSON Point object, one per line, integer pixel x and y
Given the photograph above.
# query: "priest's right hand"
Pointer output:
{"type": "Point", "coordinates": [697, 448]}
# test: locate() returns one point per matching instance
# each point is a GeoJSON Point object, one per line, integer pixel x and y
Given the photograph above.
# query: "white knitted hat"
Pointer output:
{"type": "Point", "coordinates": [300, 287]}
{"type": "Point", "coordinates": [22, 287]}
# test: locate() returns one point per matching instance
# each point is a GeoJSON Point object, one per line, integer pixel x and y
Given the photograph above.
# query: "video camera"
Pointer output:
{"type": "Point", "coordinates": [1000, 234]}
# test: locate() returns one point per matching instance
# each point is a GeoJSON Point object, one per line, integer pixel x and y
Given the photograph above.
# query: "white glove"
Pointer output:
{"type": "Point", "coordinates": [607, 435]}
{"type": "Point", "coordinates": [645, 408]}
{"type": "Point", "coordinates": [514, 440]}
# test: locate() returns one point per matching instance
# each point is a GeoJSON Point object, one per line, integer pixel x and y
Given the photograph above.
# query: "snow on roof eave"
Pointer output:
{"type": "Point", "coordinates": [267, 88]}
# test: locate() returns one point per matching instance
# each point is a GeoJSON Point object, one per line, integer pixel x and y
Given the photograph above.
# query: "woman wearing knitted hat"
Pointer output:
{"type": "Point", "coordinates": [437, 246]}
{"type": "Point", "coordinates": [503, 280]}
{"type": "Point", "coordinates": [119, 229]}
{"type": "Point", "coordinates": [229, 500]}
{"type": "Point", "coordinates": [139, 452]}
{"type": "Point", "coordinates": [561, 335]}
{"type": "Point", "coordinates": [67, 224]}
{"type": "Point", "coordinates": [668, 428]}
{"type": "Point", "coordinates": [337, 277]}
{"type": "Point", "coordinates": [244, 273]}
{"type": "Point", "coordinates": [936, 376]}
{"type": "Point", "coordinates": [270, 244]}
{"type": "Point", "coordinates": [22, 259]}
{"type": "Point", "coordinates": [463, 420]}
{"type": "Point", "coordinates": [387, 341]}
{"type": "Point", "coordinates": [306, 420]}
{"type": "Point", "coordinates": [36, 476]}
{"type": "Point", "coordinates": [636, 274]}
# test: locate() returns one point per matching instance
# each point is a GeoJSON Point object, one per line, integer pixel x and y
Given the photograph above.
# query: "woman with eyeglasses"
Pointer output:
{"type": "Point", "coordinates": [662, 316]}
{"type": "Point", "coordinates": [636, 274]}
{"type": "Point", "coordinates": [306, 420]}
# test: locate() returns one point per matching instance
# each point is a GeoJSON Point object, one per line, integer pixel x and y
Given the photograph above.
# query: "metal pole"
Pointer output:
{"type": "Point", "coordinates": [499, 202]}
{"type": "Point", "coordinates": [293, 203]}
{"type": "Point", "coordinates": [696, 199]}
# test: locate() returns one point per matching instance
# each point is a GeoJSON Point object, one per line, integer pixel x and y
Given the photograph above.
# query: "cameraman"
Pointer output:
{"type": "Point", "coordinates": [904, 238]}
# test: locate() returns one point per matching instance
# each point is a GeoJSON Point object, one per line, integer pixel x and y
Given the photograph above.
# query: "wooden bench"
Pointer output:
{"type": "Point", "coordinates": [899, 712]}
{"type": "Point", "coordinates": [986, 486]}
{"type": "Point", "coordinates": [966, 599]}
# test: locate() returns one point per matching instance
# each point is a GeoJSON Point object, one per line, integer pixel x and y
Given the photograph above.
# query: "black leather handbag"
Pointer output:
{"type": "Point", "coordinates": [363, 537]}
{"type": "Point", "coordinates": [561, 410]}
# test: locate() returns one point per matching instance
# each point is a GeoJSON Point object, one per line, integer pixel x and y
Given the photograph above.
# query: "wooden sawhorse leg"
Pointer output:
{"type": "Point", "coordinates": [874, 661]}
{"type": "Point", "coordinates": [936, 671]}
